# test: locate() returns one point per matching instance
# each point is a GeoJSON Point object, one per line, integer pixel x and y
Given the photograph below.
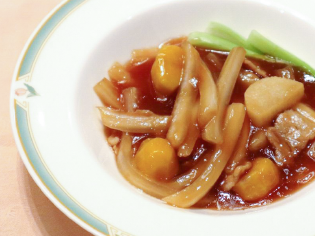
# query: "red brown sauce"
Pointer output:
{"type": "Point", "coordinates": [293, 177]}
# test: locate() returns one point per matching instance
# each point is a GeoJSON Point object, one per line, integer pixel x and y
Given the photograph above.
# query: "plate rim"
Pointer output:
{"type": "Point", "coordinates": [22, 132]}
{"type": "Point", "coordinates": [111, 230]}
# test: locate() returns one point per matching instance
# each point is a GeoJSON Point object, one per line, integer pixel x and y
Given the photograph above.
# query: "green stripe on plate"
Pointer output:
{"type": "Point", "coordinates": [46, 178]}
{"type": "Point", "coordinates": [38, 40]}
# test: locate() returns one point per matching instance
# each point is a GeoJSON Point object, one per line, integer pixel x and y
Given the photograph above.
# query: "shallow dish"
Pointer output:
{"type": "Point", "coordinates": [61, 139]}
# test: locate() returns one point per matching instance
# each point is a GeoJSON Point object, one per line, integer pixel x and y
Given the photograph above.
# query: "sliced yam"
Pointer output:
{"type": "Point", "coordinates": [268, 97]}
{"type": "Point", "coordinates": [199, 188]}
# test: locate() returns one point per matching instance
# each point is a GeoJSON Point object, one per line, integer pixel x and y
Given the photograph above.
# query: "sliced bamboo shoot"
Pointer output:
{"type": "Point", "coordinates": [258, 141]}
{"type": "Point", "coordinates": [208, 96]}
{"type": "Point", "coordinates": [194, 192]}
{"type": "Point", "coordinates": [131, 98]}
{"type": "Point", "coordinates": [193, 134]}
{"type": "Point", "coordinates": [186, 97]}
{"type": "Point", "coordinates": [227, 79]}
{"type": "Point", "coordinates": [108, 93]}
{"type": "Point", "coordinates": [241, 148]}
{"type": "Point", "coordinates": [134, 122]}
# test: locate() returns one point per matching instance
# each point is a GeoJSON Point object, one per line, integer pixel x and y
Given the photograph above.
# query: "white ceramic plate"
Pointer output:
{"type": "Point", "coordinates": [61, 139]}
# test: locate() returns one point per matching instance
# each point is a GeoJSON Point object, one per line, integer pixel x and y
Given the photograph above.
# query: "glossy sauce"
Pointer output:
{"type": "Point", "coordinates": [292, 178]}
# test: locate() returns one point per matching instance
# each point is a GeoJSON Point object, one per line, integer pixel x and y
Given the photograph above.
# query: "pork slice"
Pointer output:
{"type": "Point", "coordinates": [290, 135]}
{"type": "Point", "coordinates": [230, 180]}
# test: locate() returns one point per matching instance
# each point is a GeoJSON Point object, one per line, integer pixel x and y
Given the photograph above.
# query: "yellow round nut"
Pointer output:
{"type": "Point", "coordinates": [156, 158]}
{"type": "Point", "coordinates": [167, 69]}
{"type": "Point", "coordinates": [261, 179]}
